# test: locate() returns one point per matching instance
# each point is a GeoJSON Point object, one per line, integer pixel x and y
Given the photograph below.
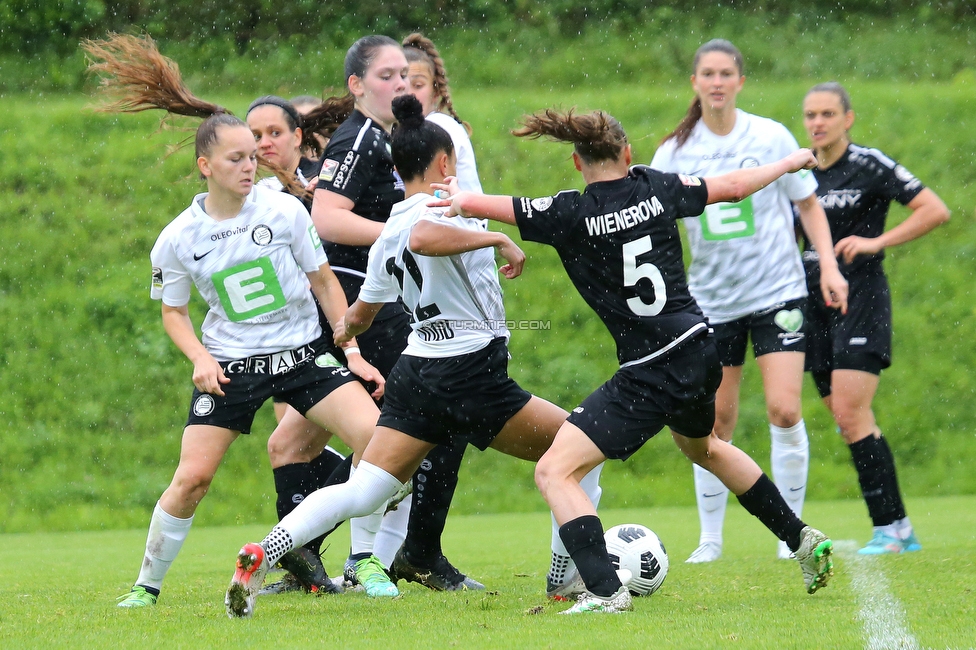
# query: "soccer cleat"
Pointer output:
{"type": "Point", "coordinates": [706, 552]}
{"type": "Point", "coordinates": [883, 544]}
{"type": "Point", "coordinates": [911, 543]}
{"type": "Point", "coordinates": [441, 576]}
{"type": "Point", "coordinates": [814, 558]}
{"type": "Point", "coordinates": [372, 576]}
{"type": "Point", "coordinates": [138, 597]}
{"type": "Point", "coordinates": [398, 498]}
{"type": "Point", "coordinates": [252, 566]}
{"type": "Point", "coordinates": [307, 568]}
{"type": "Point", "coordinates": [569, 589]}
{"type": "Point", "coordinates": [783, 551]}
{"type": "Point", "coordinates": [620, 601]}
{"type": "Point", "coordinates": [287, 585]}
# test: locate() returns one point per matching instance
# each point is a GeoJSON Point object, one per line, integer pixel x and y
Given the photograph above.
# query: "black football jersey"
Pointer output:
{"type": "Point", "coordinates": [856, 193]}
{"type": "Point", "coordinates": [358, 164]}
{"type": "Point", "coordinates": [619, 242]}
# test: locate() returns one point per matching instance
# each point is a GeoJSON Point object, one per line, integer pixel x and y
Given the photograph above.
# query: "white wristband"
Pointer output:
{"type": "Point", "coordinates": [351, 350]}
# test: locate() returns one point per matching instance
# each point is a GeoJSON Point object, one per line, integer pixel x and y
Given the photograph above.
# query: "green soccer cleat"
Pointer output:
{"type": "Point", "coordinates": [814, 556]}
{"type": "Point", "coordinates": [372, 576]}
{"type": "Point", "coordinates": [138, 597]}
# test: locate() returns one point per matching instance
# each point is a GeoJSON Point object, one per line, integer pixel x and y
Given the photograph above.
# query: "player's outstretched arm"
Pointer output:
{"type": "Point", "coordinates": [207, 373]}
{"type": "Point", "coordinates": [473, 204]}
{"type": "Point", "coordinates": [440, 240]}
{"type": "Point", "coordinates": [739, 184]}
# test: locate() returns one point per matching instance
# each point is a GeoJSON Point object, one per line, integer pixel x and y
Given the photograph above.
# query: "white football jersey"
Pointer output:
{"type": "Point", "coordinates": [250, 269]}
{"type": "Point", "coordinates": [455, 302]}
{"type": "Point", "coordinates": [467, 168]}
{"type": "Point", "coordinates": [744, 256]}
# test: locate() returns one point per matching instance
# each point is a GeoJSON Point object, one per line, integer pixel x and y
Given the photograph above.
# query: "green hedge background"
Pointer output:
{"type": "Point", "coordinates": [94, 394]}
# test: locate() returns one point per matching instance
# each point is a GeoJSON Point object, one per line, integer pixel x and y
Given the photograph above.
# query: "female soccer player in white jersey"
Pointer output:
{"type": "Point", "coordinates": [143, 79]}
{"type": "Point", "coordinates": [428, 82]}
{"type": "Point", "coordinates": [252, 254]}
{"type": "Point", "coordinates": [847, 352]}
{"type": "Point", "coordinates": [356, 190]}
{"type": "Point", "coordinates": [451, 383]}
{"type": "Point", "coordinates": [746, 273]}
{"type": "Point", "coordinates": [619, 243]}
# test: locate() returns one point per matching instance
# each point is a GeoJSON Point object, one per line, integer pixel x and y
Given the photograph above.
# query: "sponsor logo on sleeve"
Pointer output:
{"type": "Point", "coordinates": [314, 236]}
{"type": "Point", "coordinates": [157, 278]}
{"type": "Point", "coordinates": [749, 162]}
{"type": "Point", "coordinates": [329, 168]}
{"type": "Point", "coordinates": [542, 204]}
{"type": "Point", "coordinates": [690, 181]}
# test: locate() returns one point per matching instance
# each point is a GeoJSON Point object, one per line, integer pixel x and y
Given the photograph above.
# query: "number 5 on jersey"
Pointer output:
{"type": "Point", "coordinates": [634, 272]}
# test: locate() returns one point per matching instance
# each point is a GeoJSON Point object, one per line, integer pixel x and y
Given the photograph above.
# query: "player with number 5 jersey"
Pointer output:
{"type": "Point", "coordinates": [618, 241]}
{"type": "Point", "coordinates": [746, 273]}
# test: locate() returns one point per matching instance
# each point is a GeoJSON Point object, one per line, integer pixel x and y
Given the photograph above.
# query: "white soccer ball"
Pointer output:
{"type": "Point", "coordinates": [637, 549]}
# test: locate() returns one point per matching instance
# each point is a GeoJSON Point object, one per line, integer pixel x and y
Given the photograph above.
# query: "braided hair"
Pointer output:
{"type": "Point", "coordinates": [420, 49]}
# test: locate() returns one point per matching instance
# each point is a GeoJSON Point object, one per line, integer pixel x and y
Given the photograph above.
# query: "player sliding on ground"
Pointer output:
{"type": "Point", "coordinates": [619, 243]}
{"type": "Point", "coordinates": [451, 384]}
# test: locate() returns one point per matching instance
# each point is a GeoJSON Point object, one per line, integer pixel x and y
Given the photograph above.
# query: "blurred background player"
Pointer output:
{"type": "Point", "coordinates": [746, 274]}
{"type": "Point", "coordinates": [847, 352]}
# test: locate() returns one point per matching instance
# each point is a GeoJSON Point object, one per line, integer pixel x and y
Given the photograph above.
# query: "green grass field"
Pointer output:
{"type": "Point", "coordinates": [59, 590]}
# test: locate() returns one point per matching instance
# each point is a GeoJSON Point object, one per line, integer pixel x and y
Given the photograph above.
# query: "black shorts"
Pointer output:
{"type": "Point", "coordinates": [467, 398]}
{"type": "Point", "coordinates": [380, 345]}
{"type": "Point", "coordinates": [857, 340]}
{"type": "Point", "coordinates": [638, 401]}
{"type": "Point", "coordinates": [301, 378]}
{"type": "Point", "coordinates": [777, 329]}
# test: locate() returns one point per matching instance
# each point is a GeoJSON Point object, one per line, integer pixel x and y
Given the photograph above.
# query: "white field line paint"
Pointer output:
{"type": "Point", "coordinates": [881, 614]}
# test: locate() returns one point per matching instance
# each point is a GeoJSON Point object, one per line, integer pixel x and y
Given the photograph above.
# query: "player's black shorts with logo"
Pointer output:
{"type": "Point", "coordinates": [639, 401]}
{"type": "Point", "coordinates": [777, 329]}
{"type": "Point", "coordinates": [302, 378]}
{"type": "Point", "coordinates": [464, 398]}
{"type": "Point", "coordinates": [857, 340]}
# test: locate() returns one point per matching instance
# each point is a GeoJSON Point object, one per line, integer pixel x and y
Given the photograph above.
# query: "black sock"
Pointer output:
{"type": "Point", "coordinates": [325, 464]}
{"type": "Point", "coordinates": [433, 489]}
{"type": "Point", "coordinates": [764, 502]}
{"type": "Point", "coordinates": [875, 467]}
{"type": "Point", "coordinates": [293, 483]}
{"type": "Point", "coordinates": [583, 538]}
{"type": "Point", "coordinates": [329, 468]}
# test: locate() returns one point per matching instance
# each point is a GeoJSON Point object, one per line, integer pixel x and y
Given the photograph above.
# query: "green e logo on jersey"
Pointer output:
{"type": "Point", "coordinates": [722, 221]}
{"type": "Point", "coordinates": [248, 290]}
{"type": "Point", "coordinates": [314, 236]}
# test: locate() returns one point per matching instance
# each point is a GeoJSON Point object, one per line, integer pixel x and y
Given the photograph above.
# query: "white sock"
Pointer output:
{"type": "Point", "coordinates": [393, 531]}
{"type": "Point", "coordinates": [712, 497]}
{"type": "Point", "coordinates": [790, 458]}
{"type": "Point", "coordinates": [363, 530]}
{"type": "Point", "coordinates": [166, 535]}
{"type": "Point", "coordinates": [903, 528]}
{"type": "Point", "coordinates": [561, 564]}
{"type": "Point", "coordinates": [366, 491]}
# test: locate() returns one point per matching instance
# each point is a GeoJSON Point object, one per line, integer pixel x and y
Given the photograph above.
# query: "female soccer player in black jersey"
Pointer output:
{"type": "Point", "coordinates": [619, 243]}
{"type": "Point", "coordinates": [847, 352]}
